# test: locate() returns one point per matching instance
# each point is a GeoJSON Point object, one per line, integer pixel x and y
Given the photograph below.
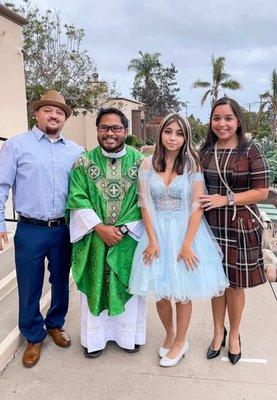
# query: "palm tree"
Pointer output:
{"type": "Point", "coordinates": [269, 99]}
{"type": "Point", "coordinates": [221, 80]}
{"type": "Point", "coordinates": [145, 66]}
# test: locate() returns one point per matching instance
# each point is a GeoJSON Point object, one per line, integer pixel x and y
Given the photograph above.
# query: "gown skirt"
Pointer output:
{"type": "Point", "coordinates": [168, 278]}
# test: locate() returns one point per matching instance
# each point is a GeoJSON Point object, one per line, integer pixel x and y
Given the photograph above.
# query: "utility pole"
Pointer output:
{"type": "Point", "coordinates": [250, 104]}
{"type": "Point", "coordinates": [185, 104]}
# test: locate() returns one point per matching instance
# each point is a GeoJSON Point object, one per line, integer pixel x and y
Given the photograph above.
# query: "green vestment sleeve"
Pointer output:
{"type": "Point", "coordinates": [102, 273]}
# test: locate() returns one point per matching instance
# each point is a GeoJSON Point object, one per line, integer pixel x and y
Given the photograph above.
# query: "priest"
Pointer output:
{"type": "Point", "coordinates": [105, 225]}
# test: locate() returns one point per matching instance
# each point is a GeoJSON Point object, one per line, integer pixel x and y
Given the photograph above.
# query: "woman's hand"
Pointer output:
{"type": "Point", "coordinates": [212, 201]}
{"type": "Point", "coordinates": [189, 257]}
{"type": "Point", "coordinates": [151, 251]}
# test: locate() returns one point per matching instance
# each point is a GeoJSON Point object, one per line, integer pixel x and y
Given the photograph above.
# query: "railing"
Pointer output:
{"type": "Point", "coordinates": [14, 219]}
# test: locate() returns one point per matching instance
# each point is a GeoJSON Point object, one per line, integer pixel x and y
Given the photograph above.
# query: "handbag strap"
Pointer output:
{"type": "Point", "coordinates": [228, 187]}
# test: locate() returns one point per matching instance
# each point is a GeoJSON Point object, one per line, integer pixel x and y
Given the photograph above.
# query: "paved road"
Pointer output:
{"type": "Point", "coordinates": [66, 374]}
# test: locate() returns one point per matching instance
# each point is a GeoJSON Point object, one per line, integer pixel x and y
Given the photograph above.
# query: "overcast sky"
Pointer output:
{"type": "Point", "coordinates": [186, 33]}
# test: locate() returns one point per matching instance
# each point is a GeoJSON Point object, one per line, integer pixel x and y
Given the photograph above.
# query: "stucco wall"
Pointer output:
{"type": "Point", "coordinates": [13, 112]}
{"type": "Point", "coordinates": [82, 128]}
{"type": "Point", "coordinates": [74, 129]}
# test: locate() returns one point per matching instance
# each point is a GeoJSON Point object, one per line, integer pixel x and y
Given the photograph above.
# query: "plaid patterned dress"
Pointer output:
{"type": "Point", "coordinates": [240, 239]}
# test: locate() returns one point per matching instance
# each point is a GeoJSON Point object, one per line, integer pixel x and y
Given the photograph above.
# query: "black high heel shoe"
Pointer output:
{"type": "Point", "coordinates": [212, 353]}
{"type": "Point", "coordinates": [234, 358]}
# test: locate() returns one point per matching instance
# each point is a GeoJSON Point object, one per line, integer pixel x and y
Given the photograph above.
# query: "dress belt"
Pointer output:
{"type": "Point", "coordinates": [52, 223]}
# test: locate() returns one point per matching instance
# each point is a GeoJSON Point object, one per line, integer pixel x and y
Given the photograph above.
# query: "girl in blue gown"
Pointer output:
{"type": "Point", "coordinates": [177, 258]}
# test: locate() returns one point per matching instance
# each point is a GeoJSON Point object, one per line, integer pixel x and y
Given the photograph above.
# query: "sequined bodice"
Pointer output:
{"type": "Point", "coordinates": [166, 197]}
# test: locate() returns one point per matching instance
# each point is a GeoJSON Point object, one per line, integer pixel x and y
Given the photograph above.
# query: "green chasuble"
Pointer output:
{"type": "Point", "coordinates": [101, 272]}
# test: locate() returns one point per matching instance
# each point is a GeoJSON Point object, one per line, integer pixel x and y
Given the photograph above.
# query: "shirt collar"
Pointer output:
{"type": "Point", "coordinates": [39, 134]}
{"type": "Point", "coordinates": [121, 153]}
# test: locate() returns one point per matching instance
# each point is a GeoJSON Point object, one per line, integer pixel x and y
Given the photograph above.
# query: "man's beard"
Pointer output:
{"type": "Point", "coordinates": [51, 131]}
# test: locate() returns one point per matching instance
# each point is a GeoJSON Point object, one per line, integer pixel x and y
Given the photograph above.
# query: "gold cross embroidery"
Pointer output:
{"type": "Point", "coordinates": [112, 187]}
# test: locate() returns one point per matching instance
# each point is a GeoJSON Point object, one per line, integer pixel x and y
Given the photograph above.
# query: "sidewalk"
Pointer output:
{"type": "Point", "coordinates": [66, 374]}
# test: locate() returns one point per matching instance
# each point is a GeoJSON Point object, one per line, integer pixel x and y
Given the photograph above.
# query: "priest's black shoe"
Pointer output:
{"type": "Point", "coordinates": [135, 350]}
{"type": "Point", "coordinates": [212, 353]}
{"type": "Point", "coordinates": [234, 358]}
{"type": "Point", "coordinates": [92, 354]}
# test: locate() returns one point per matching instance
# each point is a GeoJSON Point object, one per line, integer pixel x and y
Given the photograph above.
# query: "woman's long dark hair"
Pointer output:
{"type": "Point", "coordinates": [187, 155]}
{"type": "Point", "coordinates": [211, 137]}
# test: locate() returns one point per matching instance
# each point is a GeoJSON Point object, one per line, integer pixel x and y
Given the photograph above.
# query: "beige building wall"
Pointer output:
{"type": "Point", "coordinates": [74, 129]}
{"type": "Point", "coordinates": [126, 106]}
{"type": "Point", "coordinates": [13, 111]}
{"type": "Point", "coordinates": [82, 128]}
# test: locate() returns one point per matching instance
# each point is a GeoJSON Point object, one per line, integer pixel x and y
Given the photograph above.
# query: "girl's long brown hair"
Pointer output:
{"type": "Point", "coordinates": [187, 156]}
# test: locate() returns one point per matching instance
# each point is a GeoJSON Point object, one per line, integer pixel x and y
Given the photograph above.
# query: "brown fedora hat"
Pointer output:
{"type": "Point", "coordinates": [52, 98]}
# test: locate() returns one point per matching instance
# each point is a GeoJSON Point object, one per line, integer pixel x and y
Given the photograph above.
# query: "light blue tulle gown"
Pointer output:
{"type": "Point", "coordinates": [170, 208]}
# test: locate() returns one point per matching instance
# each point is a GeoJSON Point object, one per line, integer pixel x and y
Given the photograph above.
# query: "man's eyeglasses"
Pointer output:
{"type": "Point", "coordinates": [113, 128]}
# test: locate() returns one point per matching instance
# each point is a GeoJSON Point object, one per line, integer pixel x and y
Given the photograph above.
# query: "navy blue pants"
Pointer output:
{"type": "Point", "coordinates": [34, 244]}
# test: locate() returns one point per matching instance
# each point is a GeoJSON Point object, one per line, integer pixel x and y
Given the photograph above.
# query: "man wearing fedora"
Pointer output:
{"type": "Point", "coordinates": [36, 165]}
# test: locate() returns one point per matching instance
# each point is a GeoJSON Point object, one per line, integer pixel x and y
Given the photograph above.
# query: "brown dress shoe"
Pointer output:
{"type": "Point", "coordinates": [60, 337]}
{"type": "Point", "coordinates": [31, 354]}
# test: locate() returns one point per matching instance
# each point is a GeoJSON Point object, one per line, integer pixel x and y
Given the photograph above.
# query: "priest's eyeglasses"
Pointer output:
{"type": "Point", "coordinates": [113, 128]}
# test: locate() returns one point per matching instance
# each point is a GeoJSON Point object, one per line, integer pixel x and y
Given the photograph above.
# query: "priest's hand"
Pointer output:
{"type": "Point", "coordinates": [110, 235]}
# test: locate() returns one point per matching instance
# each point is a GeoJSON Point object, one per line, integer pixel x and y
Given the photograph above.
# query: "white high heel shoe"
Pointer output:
{"type": "Point", "coordinates": [163, 351]}
{"type": "Point", "coordinates": [171, 362]}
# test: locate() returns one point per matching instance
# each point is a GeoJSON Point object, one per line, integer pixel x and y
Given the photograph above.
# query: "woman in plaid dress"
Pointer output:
{"type": "Point", "coordinates": [237, 177]}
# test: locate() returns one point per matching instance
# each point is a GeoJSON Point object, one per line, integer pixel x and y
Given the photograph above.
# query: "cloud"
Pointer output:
{"type": "Point", "coordinates": [254, 56]}
{"type": "Point", "coordinates": [186, 32]}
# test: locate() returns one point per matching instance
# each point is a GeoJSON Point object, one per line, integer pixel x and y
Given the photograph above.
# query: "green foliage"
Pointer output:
{"type": "Point", "coordinates": [220, 80]}
{"type": "Point", "coordinates": [54, 59]}
{"type": "Point", "coordinates": [134, 141]}
{"type": "Point", "coordinates": [270, 151]}
{"type": "Point", "coordinates": [269, 101]}
{"type": "Point", "coordinates": [257, 124]}
{"type": "Point", "coordinates": [145, 66]}
{"type": "Point", "coordinates": [263, 130]}
{"type": "Point", "coordinates": [272, 161]}
{"type": "Point", "coordinates": [198, 129]}
{"type": "Point", "coordinates": [250, 119]}
{"type": "Point", "coordinates": [155, 85]}
{"type": "Point", "coordinates": [150, 141]}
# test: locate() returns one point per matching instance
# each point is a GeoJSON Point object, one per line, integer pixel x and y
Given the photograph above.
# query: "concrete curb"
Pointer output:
{"type": "Point", "coordinates": [7, 284]}
{"type": "Point", "coordinates": [14, 340]}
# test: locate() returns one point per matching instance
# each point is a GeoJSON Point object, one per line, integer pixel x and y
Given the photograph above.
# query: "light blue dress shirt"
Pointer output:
{"type": "Point", "coordinates": [37, 170]}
